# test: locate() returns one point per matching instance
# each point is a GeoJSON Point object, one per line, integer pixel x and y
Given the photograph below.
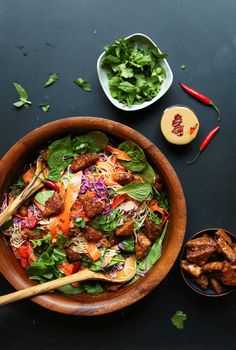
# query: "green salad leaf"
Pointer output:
{"type": "Point", "coordinates": [136, 190]}
{"type": "Point", "coordinates": [84, 84]}
{"type": "Point", "coordinates": [43, 196]}
{"type": "Point", "coordinates": [17, 187]}
{"type": "Point", "coordinates": [93, 288]}
{"type": "Point", "coordinates": [69, 289]}
{"type": "Point", "coordinates": [92, 142]}
{"type": "Point", "coordinates": [45, 106]}
{"type": "Point", "coordinates": [44, 240]}
{"type": "Point", "coordinates": [148, 174]}
{"type": "Point", "coordinates": [108, 223]}
{"type": "Point", "coordinates": [135, 73]}
{"type": "Point", "coordinates": [138, 160]}
{"type": "Point", "coordinates": [23, 97]}
{"type": "Point", "coordinates": [51, 80]}
{"type": "Point", "coordinates": [128, 245]}
{"type": "Point", "coordinates": [178, 319]}
{"type": "Point", "coordinates": [79, 222]}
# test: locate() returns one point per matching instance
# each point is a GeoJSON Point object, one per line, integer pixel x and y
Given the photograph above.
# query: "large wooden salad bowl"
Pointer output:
{"type": "Point", "coordinates": [24, 151]}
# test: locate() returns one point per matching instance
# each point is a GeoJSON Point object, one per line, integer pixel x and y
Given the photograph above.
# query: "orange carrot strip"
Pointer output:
{"type": "Point", "coordinates": [118, 153]}
{"type": "Point", "coordinates": [93, 251]}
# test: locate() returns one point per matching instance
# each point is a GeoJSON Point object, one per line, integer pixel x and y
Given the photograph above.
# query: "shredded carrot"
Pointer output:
{"type": "Point", "coordinates": [28, 175]}
{"type": "Point", "coordinates": [61, 222]}
{"type": "Point", "coordinates": [118, 153]}
{"type": "Point", "coordinates": [93, 251]}
{"type": "Point", "coordinates": [118, 200]}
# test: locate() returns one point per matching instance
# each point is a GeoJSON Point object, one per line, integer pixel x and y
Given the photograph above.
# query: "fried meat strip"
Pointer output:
{"type": "Point", "coordinates": [72, 255]}
{"type": "Point", "coordinates": [202, 281]}
{"type": "Point", "coordinates": [92, 235]}
{"type": "Point", "coordinates": [142, 246]}
{"type": "Point", "coordinates": [127, 229]}
{"type": "Point", "coordinates": [226, 250]}
{"type": "Point", "coordinates": [215, 285]}
{"type": "Point", "coordinates": [83, 161]}
{"type": "Point", "coordinates": [54, 205]}
{"type": "Point", "coordinates": [201, 242]}
{"type": "Point", "coordinates": [213, 266]}
{"type": "Point", "coordinates": [221, 233]}
{"type": "Point", "coordinates": [193, 269]}
{"type": "Point", "coordinates": [200, 256]}
{"type": "Point", "coordinates": [123, 178]}
{"type": "Point", "coordinates": [92, 206]}
{"type": "Point", "coordinates": [229, 275]}
{"type": "Point", "coordinates": [151, 229]}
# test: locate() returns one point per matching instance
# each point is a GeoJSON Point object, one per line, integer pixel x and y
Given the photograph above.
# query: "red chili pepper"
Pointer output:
{"type": "Point", "coordinates": [51, 185]}
{"type": "Point", "coordinates": [76, 266]}
{"type": "Point", "coordinates": [200, 97]}
{"type": "Point", "coordinates": [204, 143]}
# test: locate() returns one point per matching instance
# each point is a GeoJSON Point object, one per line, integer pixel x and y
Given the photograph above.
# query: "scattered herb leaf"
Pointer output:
{"type": "Point", "coordinates": [84, 84]}
{"type": "Point", "coordinates": [178, 319]}
{"type": "Point", "coordinates": [23, 97]}
{"type": "Point", "coordinates": [183, 66]}
{"type": "Point", "coordinates": [51, 80]}
{"type": "Point", "coordinates": [45, 106]}
{"type": "Point", "coordinates": [17, 187]}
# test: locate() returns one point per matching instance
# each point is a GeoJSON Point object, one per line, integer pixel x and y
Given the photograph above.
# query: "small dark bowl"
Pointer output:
{"type": "Point", "coordinates": [190, 280]}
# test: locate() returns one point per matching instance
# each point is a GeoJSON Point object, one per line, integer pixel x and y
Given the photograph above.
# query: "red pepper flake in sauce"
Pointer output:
{"type": "Point", "coordinates": [178, 127]}
{"type": "Point", "coordinates": [193, 128]}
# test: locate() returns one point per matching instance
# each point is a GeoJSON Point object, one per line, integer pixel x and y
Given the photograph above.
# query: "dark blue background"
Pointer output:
{"type": "Point", "coordinates": [40, 37]}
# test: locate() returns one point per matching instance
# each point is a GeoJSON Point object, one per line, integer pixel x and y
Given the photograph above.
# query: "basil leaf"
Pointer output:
{"type": "Point", "coordinates": [43, 196]}
{"type": "Point", "coordinates": [19, 104]}
{"type": "Point", "coordinates": [138, 162]}
{"type": "Point", "coordinates": [69, 289]}
{"type": "Point", "coordinates": [51, 80]}
{"type": "Point", "coordinates": [39, 268]}
{"type": "Point", "coordinates": [154, 253]}
{"type": "Point", "coordinates": [84, 84]}
{"type": "Point", "coordinates": [136, 190]}
{"type": "Point", "coordinates": [56, 152]}
{"type": "Point", "coordinates": [45, 106]}
{"type": "Point", "coordinates": [178, 319]}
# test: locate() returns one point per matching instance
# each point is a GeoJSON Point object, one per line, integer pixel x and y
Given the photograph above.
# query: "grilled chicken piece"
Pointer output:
{"type": "Point", "coordinates": [226, 250]}
{"type": "Point", "coordinates": [214, 266]}
{"type": "Point", "coordinates": [72, 255]}
{"type": "Point", "coordinates": [83, 161]}
{"type": "Point", "coordinates": [202, 281]}
{"type": "Point", "coordinates": [142, 246]}
{"type": "Point", "coordinates": [215, 285]}
{"type": "Point", "coordinates": [193, 269]}
{"type": "Point", "coordinates": [221, 233]}
{"type": "Point", "coordinates": [54, 205]}
{"type": "Point", "coordinates": [127, 229]}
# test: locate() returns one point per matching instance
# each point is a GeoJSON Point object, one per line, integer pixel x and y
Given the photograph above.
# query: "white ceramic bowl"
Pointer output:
{"type": "Point", "coordinates": [142, 40]}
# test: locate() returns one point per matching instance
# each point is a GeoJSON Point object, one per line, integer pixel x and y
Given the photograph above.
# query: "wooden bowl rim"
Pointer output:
{"type": "Point", "coordinates": [114, 301]}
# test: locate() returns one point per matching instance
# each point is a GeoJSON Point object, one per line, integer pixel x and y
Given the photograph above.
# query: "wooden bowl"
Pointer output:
{"type": "Point", "coordinates": [24, 151]}
{"type": "Point", "coordinates": [190, 280]}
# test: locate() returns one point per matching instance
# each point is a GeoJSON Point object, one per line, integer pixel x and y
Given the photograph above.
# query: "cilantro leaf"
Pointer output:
{"type": "Point", "coordinates": [178, 319]}
{"type": "Point", "coordinates": [45, 106]}
{"type": "Point", "coordinates": [84, 84]}
{"type": "Point", "coordinates": [51, 80]}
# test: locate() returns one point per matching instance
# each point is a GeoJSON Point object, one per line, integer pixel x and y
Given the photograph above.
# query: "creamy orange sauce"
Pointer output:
{"type": "Point", "coordinates": [179, 125]}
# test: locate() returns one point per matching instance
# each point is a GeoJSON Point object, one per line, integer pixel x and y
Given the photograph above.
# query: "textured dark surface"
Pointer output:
{"type": "Point", "coordinates": [40, 37]}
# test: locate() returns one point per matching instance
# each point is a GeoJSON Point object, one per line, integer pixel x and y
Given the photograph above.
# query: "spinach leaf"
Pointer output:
{"type": "Point", "coordinates": [92, 142]}
{"type": "Point", "coordinates": [163, 201]}
{"type": "Point", "coordinates": [56, 156]}
{"type": "Point", "coordinates": [138, 162]}
{"type": "Point", "coordinates": [148, 174]}
{"type": "Point", "coordinates": [23, 96]}
{"type": "Point", "coordinates": [43, 196]}
{"type": "Point", "coordinates": [45, 106]}
{"type": "Point", "coordinates": [69, 289]}
{"type": "Point", "coordinates": [84, 84]}
{"type": "Point", "coordinates": [51, 80]}
{"type": "Point", "coordinates": [136, 190]}
{"type": "Point", "coordinates": [93, 288]}
{"type": "Point", "coordinates": [18, 187]}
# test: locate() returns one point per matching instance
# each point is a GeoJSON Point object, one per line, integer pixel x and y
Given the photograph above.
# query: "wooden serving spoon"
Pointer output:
{"type": "Point", "coordinates": [31, 188]}
{"type": "Point", "coordinates": [123, 275]}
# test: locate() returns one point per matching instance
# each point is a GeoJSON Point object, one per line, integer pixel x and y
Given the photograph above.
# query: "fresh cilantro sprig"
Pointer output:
{"type": "Point", "coordinates": [178, 319]}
